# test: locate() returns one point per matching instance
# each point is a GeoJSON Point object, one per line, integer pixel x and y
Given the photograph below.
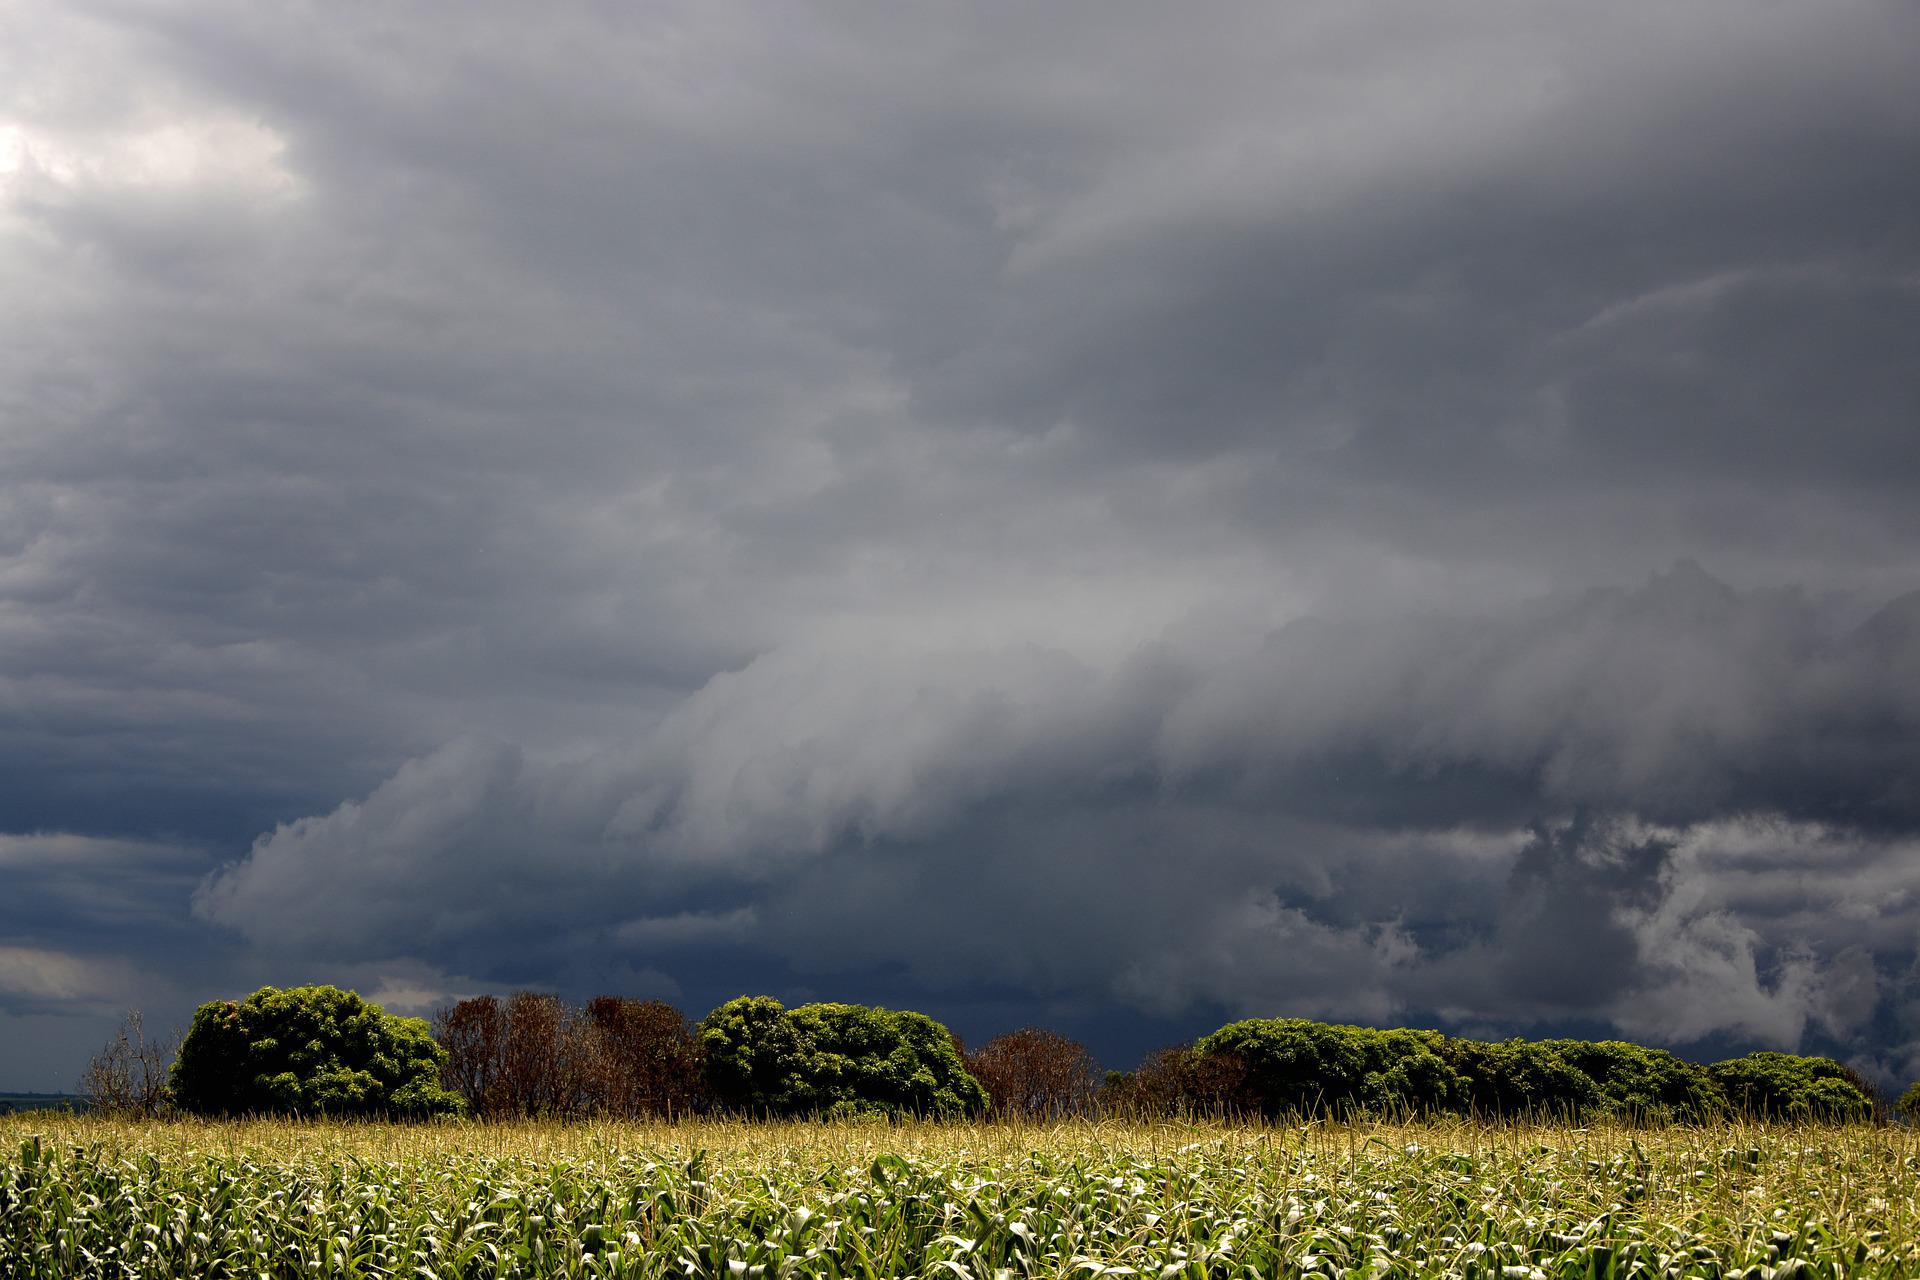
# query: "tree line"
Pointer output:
{"type": "Point", "coordinates": [323, 1051]}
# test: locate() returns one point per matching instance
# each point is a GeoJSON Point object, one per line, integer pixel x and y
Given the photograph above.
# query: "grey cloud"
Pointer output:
{"type": "Point", "coordinates": [711, 463]}
{"type": "Point", "coordinates": [1235, 835]}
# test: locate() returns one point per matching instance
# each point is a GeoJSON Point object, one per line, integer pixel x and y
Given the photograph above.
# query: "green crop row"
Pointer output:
{"type": "Point", "coordinates": [1350, 1201]}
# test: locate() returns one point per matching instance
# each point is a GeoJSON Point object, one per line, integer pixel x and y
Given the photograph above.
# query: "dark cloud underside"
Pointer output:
{"type": "Point", "coordinates": [1107, 517]}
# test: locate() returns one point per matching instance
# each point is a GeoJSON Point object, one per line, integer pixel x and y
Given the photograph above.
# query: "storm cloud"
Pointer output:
{"type": "Point", "coordinates": [1110, 516]}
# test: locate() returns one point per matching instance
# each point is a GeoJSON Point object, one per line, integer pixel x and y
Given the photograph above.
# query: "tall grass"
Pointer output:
{"type": "Point", "coordinates": [83, 1196]}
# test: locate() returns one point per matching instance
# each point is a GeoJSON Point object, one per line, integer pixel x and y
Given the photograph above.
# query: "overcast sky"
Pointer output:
{"type": "Point", "coordinates": [1111, 516]}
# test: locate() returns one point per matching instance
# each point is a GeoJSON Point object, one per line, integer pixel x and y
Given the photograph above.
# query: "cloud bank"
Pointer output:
{"type": "Point", "coordinates": [1099, 515]}
{"type": "Point", "coordinates": [1611, 808]}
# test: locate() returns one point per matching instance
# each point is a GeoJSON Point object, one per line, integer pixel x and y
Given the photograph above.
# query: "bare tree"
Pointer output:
{"type": "Point", "coordinates": [1036, 1073]}
{"type": "Point", "coordinates": [533, 1054]}
{"type": "Point", "coordinates": [472, 1033]}
{"type": "Point", "coordinates": [129, 1076]}
{"type": "Point", "coordinates": [532, 1071]}
{"type": "Point", "coordinates": [650, 1057]}
{"type": "Point", "coordinates": [1179, 1080]}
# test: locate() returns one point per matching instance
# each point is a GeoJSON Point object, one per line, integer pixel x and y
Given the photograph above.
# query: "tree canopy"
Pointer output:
{"type": "Point", "coordinates": [308, 1051]}
{"type": "Point", "coordinates": [834, 1060]}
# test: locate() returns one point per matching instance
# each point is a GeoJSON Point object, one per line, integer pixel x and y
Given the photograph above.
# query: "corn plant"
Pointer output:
{"type": "Point", "coordinates": [83, 1197]}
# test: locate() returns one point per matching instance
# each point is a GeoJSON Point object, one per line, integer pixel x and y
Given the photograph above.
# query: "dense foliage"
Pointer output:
{"type": "Point", "coordinates": [834, 1060]}
{"type": "Point", "coordinates": [308, 1051]}
{"type": "Point", "coordinates": [318, 1050]}
{"type": "Point", "coordinates": [724, 1201]}
{"type": "Point", "coordinates": [1633, 1079]}
{"type": "Point", "coordinates": [1293, 1065]}
{"type": "Point", "coordinates": [1508, 1077]}
{"type": "Point", "coordinates": [1786, 1086]}
{"type": "Point", "coordinates": [1284, 1066]}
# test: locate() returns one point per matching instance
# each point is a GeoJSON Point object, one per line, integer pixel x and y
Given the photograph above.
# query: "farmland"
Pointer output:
{"type": "Point", "coordinates": [85, 1196]}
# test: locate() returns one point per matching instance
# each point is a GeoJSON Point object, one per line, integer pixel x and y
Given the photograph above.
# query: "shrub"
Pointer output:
{"type": "Point", "coordinates": [1773, 1086]}
{"type": "Point", "coordinates": [1909, 1103]}
{"type": "Point", "coordinates": [308, 1051]}
{"type": "Point", "coordinates": [1035, 1072]}
{"type": "Point", "coordinates": [834, 1060]}
{"type": "Point", "coordinates": [1406, 1071]}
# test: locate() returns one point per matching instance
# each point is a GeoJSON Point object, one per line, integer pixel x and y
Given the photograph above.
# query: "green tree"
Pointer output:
{"type": "Point", "coordinates": [308, 1051]}
{"type": "Point", "coordinates": [1644, 1083]}
{"type": "Point", "coordinates": [1909, 1104]}
{"type": "Point", "coordinates": [752, 1056]}
{"type": "Point", "coordinates": [1786, 1086]}
{"type": "Point", "coordinates": [863, 1060]}
{"type": "Point", "coordinates": [1296, 1065]}
{"type": "Point", "coordinates": [833, 1059]}
{"type": "Point", "coordinates": [1512, 1077]}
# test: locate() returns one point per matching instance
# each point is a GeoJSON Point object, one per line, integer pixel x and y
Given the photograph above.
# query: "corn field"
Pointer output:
{"type": "Point", "coordinates": [83, 1197]}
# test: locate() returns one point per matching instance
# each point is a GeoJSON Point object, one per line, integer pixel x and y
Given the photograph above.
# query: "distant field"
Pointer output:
{"type": "Point", "coordinates": [12, 1102]}
{"type": "Point", "coordinates": [81, 1196]}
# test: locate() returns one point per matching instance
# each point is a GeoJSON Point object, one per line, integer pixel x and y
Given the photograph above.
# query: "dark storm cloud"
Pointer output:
{"type": "Point", "coordinates": [1368, 817]}
{"type": "Point", "coordinates": [714, 484]}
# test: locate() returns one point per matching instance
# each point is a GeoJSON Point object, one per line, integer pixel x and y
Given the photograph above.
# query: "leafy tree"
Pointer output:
{"type": "Point", "coordinates": [833, 1059]}
{"type": "Point", "coordinates": [862, 1060]}
{"type": "Point", "coordinates": [1909, 1104]}
{"type": "Point", "coordinates": [753, 1057]}
{"type": "Point", "coordinates": [1407, 1072]}
{"type": "Point", "coordinates": [1296, 1065]}
{"type": "Point", "coordinates": [1643, 1083]}
{"type": "Point", "coordinates": [308, 1051]}
{"type": "Point", "coordinates": [1786, 1086]}
{"type": "Point", "coordinates": [1510, 1077]}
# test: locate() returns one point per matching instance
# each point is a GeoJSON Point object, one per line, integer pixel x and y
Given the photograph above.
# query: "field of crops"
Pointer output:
{"type": "Point", "coordinates": [87, 1197]}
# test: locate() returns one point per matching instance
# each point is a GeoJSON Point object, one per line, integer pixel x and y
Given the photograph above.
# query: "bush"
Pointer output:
{"type": "Point", "coordinates": [1785, 1086]}
{"type": "Point", "coordinates": [1909, 1104]}
{"type": "Point", "coordinates": [1407, 1072]}
{"type": "Point", "coordinates": [308, 1051]}
{"type": "Point", "coordinates": [834, 1060]}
